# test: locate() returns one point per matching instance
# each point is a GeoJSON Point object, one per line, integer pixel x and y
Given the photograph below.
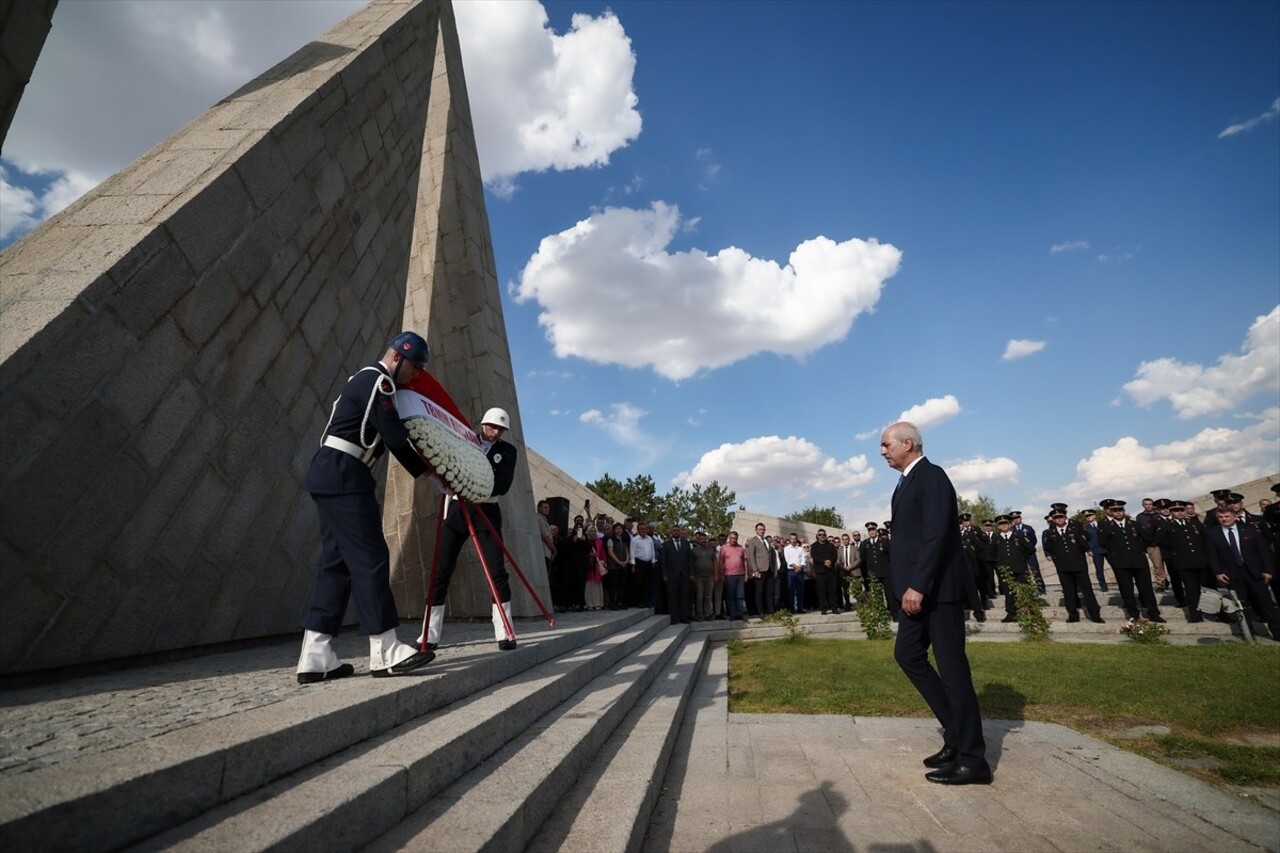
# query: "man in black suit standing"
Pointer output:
{"type": "Point", "coordinates": [928, 572]}
{"type": "Point", "coordinates": [1242, 560]}
{"type": "Point", "coordinates": [677, 570]}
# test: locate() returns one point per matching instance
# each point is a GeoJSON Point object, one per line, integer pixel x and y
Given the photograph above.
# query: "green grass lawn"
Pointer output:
{"type": "Point", "coordinates": [1208, 696]}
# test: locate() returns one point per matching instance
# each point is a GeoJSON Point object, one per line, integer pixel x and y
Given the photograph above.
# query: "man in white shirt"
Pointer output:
{"type": "Point", "coordinates": [795, 558]}
{"type": "Point", "coordinates": [643, 552]}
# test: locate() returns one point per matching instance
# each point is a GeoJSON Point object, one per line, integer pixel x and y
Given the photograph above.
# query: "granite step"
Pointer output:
{"type": "Point", "coordinates": [610, 806]}
{"type": "Point", "coordinates": [501, 803]}
{"type": "Point", "coordinates": [351, 797]}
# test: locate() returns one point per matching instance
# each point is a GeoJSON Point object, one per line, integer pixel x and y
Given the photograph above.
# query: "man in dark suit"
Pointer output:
{"type": "Point", "coordinates": [875, 564]}
{"type": "Point", "coordinates": [1127, 554]}
{"type": "Point", "coordinates": [1189, 552]}
{"type": "Point", "coordinates": [1242, 560]}
{"type": "Point", "coordinates": [677, 570]}
{"type": "Point", "coordinates": [1067, 547]}
{"type": "Point", "coordinates": [928, 574]}
{"type": "Point", "coordinates": [1027, 532]}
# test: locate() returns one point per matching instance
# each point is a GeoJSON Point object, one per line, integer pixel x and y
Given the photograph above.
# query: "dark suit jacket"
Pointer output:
{"type": "Point", "coordinates": [1254, 549]}
{"type": "Point", "coordinates": [927, 555]}
{"type": "Point", "coordinates": [677, 562]}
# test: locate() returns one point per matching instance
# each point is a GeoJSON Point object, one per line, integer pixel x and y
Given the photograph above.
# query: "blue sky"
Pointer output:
{"type": "Point", "coordinates": [736, 239]}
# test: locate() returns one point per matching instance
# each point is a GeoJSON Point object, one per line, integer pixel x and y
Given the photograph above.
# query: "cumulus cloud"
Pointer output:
{"type": "Point", "coordinates": [1194, 390]}
{"type": "Point", "coordinates": [540, 100]}
{"type": "Point", "coordinates": [1068, 246]}
{"type": "Point", "coordinates": [1016, 349]}
{"type": "Point", "coordinates": [794, 465]}
{"type": "Point", "coordinates": [700, 311]}
{"type": "Point", "coordinates": [19, 207]}
{"type": "Point", "coordinates": [1268, 115]}
{"type": "Point", "coordinates": [932, 412]}
{"type": "Point", "coordinates": [116, 78]}
{"type": "Point", "coordinates": [622, 424]}
{"type": "Point", "coordinates": [1210, 459]}
{"type": "Point", "coordinates": [973, 476]}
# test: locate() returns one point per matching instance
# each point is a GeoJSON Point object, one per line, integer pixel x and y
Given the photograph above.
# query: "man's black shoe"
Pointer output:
{"type": "Point", "coordinates": [1097, 617]}
{"type": "Point", "coordinates": [1157, 618]}
{"type": "Point", "coordinates": [506, 645]}
{"type": "Point", "coordinates": [980, 615]}
{"type": "Point", "coordinates": [1195, 617]}
{"type": "Point", "coordinates": [1074, 617]}
{"type": "Point", "coordinates": [941, 758]}
{"type": "Point", "coordinates": [316, 677]}
{"type": "Point", "coordinates": [958, 774]}
{"type": "Point", "coordinates": [409, 664]}
{"type": "Point", "coordinates": [1009, 619]}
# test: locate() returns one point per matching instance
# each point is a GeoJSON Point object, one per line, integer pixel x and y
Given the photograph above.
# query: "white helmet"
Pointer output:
{"type": "Point", "coordinates": [497, 417]}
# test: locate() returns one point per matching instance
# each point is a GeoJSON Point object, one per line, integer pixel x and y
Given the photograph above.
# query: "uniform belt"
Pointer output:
{"type": "Point", "coordinates": [368, 457]}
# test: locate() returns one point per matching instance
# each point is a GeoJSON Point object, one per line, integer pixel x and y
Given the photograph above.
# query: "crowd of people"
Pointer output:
{"type": "Point", "coordinates": [602, 563]}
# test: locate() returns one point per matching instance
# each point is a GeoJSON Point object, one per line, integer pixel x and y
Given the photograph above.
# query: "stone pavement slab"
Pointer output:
{"type": "Point", "coordinates": [780, 782]}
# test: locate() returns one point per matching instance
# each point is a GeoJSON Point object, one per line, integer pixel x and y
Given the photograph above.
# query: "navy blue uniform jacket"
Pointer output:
{"type": "Point", "coordinates": [927, 555]}
{"type": "Point", "coordinates": [333, 472]}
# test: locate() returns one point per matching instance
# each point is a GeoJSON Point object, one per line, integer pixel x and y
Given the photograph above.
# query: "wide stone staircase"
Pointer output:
{"type": "Point", "coordinates": [561, 744]}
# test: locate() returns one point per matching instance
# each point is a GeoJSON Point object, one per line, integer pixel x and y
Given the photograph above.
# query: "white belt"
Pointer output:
{"type": "Point", "coordinates": [351, 449]}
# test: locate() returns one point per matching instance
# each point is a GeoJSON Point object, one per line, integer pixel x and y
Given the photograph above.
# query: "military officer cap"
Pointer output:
{"type": "Point", "coordinates": [1221, 494]}
{"type": "Point", "coordinates": [1062, 507]}
{"type": "Point", "coordinates": [1056, 513]}
{"type": "Point", "coordinates": [1235, 497]}
{"type": "Point", "coordinates": [966, 516]}
{"type": "Point", "coordinates": [1015, 513]}
{"type": "Point", "coordinates": [1177, 505]}
{"type": "Point", "coordinates": [1111, 503]}
{"type": "Point", "coordinates": [1049, 516]}
{"type": "Point", "coordinates": [888, 525]}
{"type": "Point", "coordinates": [871, 525]}
{"type": "Point", "coordinates": [1163, 503]}
{"type": "Point", "coordinates": [1003, 519]}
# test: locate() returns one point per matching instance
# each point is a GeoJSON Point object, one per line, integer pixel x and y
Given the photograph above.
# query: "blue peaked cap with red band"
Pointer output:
{"type": "Point", "coordinates": [413, 347]}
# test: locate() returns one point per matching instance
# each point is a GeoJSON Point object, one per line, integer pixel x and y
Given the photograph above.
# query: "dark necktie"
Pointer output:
{"type": "Point", "coordinates": [1235, 546]}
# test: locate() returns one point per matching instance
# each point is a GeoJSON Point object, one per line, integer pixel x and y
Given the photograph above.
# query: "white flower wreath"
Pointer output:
{"type": "Point", "coordinates": [460, 464]}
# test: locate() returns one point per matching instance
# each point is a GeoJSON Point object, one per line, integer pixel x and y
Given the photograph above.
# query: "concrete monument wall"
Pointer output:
{"type": "Point", "coordinates": [171, 343]}
{"type": "Point", "coordinates": [24, 24]}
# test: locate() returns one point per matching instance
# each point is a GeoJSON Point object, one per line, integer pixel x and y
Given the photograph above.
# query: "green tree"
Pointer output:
{"type": "Point", "coordinates": [983, 507]}
{"type": "Point", "coordinates": [823, 515]}
{"type": "Point", "coordinates": [675, 507]}
{"type": "Point", "coordinates": [635, 498]}
{"type": "Point", "coordinates": [711, 507]}
{"type": "Point", "coordinates": [610, 489]}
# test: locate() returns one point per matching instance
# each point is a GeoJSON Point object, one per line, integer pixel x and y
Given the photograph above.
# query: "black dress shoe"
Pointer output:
{"type": "Point", "coordinates": [1195, 617]}
{"type": "Point", "coordinates": [1097, 618]}
{"type": "Point", "coordinates": [941, 758]}
{"type": "Point", "coordinates": [980, 616]}
{"type": "Point", "coordinates": [1074, 617]}
{"type": "Point", "coordinates": [409, 664]}
{"type": "Point", "coordinates": [1009, 619]}
{"type": "Point", "coordinates": [506, 645]}
{"type": "Point", "coordinates": [1157, 618]}
{"type": "Point", "coordinates": [316, 677]}
{"type": "Point", "coordinates": [958, 774]}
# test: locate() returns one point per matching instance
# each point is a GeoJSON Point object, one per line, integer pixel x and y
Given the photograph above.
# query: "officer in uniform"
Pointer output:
{"type": "Point", "coordinates": [454, 533]}
{"type": "Point", "coordinates": [1067, 546]}
{"type": "Point", "coordinates": [1027, 532]}
{"type": "Point", "coordinates": [354, 560]}
{"type": "Point", "coordinates": [972, 544]}
{"type": "Point", "coordinates": [1184, 539]}
{"type": "Point", "coordinates": [1127, 554]}
{"type": "Point", "coordinates": [1009, 550]}
{"type": "Point", "coordinates": [875, 563]}
{"type": "Point", "coordinates": [1221, 497]}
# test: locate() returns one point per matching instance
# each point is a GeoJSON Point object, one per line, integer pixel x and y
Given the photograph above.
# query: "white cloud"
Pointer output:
{"type": "Point", "coordinates": [1270, 114]}
{"type": "Point", "coordinates": [1116, 255]}
{"type": "Point", "coordinates": [1194, 390]}
{"type": "Point", "coordinates": [1068, 246]}
{"type": "Point", "coordinates": [700, 311]}
{"type": "Point", "coordinates": [979, 474]}
{"type": "Point", "coordinates": [540, 100]}
{"type": "Point", "coordinates": [622, 424]}
{"type": "Point", "coordinates": [871, 433]}
{"type": "Point", "coordinates": [932, 412]}
{"type": "Point", "coordinates": [794, 465]}
{"type": "Point", "coordinates": [1211, 459]}
{"type": "Point", "coordinates": [1016, 349]}
{"type": "Point", "coordinates": [19, 207]}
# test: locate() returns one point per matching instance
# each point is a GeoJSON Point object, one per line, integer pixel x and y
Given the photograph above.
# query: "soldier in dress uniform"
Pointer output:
{"type": "Point", "coordinates": [1008, 549]}
{"type": "Point", "coordinates": [454, 533]}
{"type": "Point", "coordinates": [1164, 516]}
{"type": "Point", "coordinates": [1183, 538]}
{"type": "Point", "coordinates": [1127, 554]}
{"type": "Point", "coordinates": [1027, 532]}
{"type": "Point", "coordinates": [875, 563]}
{"type": "Point", "coordinates": [972, 544]}
{"type": "Point", "coordinates": [354, 560]}
{"type": "Point", "coordinates": [1220, 498]}
{"type": "Point", "coordinates": [1067, 548]}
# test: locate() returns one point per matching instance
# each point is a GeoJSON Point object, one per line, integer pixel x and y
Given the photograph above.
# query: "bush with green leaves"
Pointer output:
{"type": "Point", "coordinates": [788, 621]}
{"type": "Point", "coordinates": [1026, 602]}
{"type": "Point", "coordinates": [872, 612]}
